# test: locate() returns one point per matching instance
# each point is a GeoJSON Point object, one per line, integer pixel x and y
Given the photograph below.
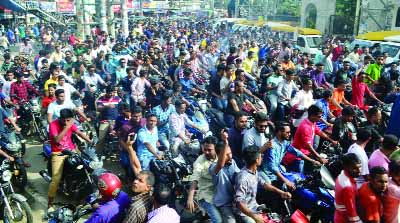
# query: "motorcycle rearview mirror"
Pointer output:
{"type": "Point", "coordinates": [79, 167]}
{"type": "Point", "coordinates": [327, 178]}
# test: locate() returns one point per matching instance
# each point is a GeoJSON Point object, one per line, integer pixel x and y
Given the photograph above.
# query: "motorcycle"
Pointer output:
{"type": "Point", "coordinates": [386, 110]}
{"type": "Point", "coordinates": [80, 172]}
{"type": "Point", "coordinates": [14, 145]}
{"type": "Point", "coordinates": [68, 213]}
{"type": "Point", "coordinates": [14, 207]}
{"type": "Point", "coordinates": [30, 116]}
{"type": "Point", "coordinates": [314, 194]}
{"type": "Point", "coordinates": [171, 171]}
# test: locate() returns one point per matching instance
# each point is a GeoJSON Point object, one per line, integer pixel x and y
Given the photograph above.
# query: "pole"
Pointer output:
{"type": "Point", "coordinates": [110, 16]}
{"type": "Point", "coordinates": [79, 15]}
{"type": "Point", "coordinates": [102, 16]}
{"type": "Point", "coordinates": [124, 13]}
{"type": "Point", "coordinates": [140, 8]}
{"type": "Point", "coordinates": [357, 18]}
{"type": "Point", "coordinates": [236, 8]}
{"type": "Point", "coordinates": [86, 18]}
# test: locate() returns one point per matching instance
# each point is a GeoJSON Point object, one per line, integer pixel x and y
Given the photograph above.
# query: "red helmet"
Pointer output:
{"type": "Point", "coordinates": [109, 186]}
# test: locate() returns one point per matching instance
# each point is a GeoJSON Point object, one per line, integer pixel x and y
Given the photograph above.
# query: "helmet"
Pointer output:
{"type": "Point", "coordinates": [109, 186]}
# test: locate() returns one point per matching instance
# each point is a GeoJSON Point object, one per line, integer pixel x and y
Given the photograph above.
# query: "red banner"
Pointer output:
{"type": "Point", "coordinates": [66, 6]}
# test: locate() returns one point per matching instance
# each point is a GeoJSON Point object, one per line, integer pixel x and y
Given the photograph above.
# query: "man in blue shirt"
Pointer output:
{"type": "Point", "coordinates": [223, 173]}
{"type": "Point", "coordinates": [327, 115]}
{"type": "Point", "coordinates": [188, 84]}
{"type": "Point", "coordinates": [163, 111]}
{"type": "Point", "coordinates": [147, 142]}
{"type": "Point", "coordinates": [235, 139]}
{"type": "Point", "coordinates": [271, 164]}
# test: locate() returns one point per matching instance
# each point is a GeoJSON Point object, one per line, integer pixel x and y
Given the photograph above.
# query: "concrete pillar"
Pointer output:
{"type": "Point", "coordinates": [101, 7]}
{"type": "Point", "coordinates": [110, 18]}
{"type": "Point", "coordinates": [86, 18]}
{"type": "Point", "coordinates": [79, 15]}
{"type": "Point", "coordinates": [124, 13]}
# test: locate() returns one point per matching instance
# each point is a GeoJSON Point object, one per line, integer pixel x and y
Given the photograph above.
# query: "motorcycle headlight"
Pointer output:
{"type": "Point", "coordinates": [6, 176]}
{"type": "Point", "coordinates": [96, 165]}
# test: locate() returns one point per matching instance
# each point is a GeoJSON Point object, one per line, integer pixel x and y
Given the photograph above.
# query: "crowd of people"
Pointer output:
{"type": "Point", "coordinates": [140, 88]}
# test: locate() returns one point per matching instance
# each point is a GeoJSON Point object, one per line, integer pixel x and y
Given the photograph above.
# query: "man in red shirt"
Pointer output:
{"type": "Point", "coordinates": [370, 195]}
{"type": "Point", "coordinates": [346, 190]}
{"type": "Point", "coordinates": [304, 139]}
{"type": "Point", "coordinates": [60, 133]}
{"type": "Point", "coordinates": [359, 88]}
{"type": "Point", "coordinates": [50, 98]}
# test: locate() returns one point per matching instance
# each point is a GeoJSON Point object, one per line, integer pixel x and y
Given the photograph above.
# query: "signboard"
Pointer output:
{"type": "Point", "coordinates": [66, 6]}
{"type": "Point", "coordinates": [129, 5]}
{"type": "Point", "coordinates": [48, 6]}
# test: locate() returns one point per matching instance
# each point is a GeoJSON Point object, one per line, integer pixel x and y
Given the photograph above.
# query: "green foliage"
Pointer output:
{"type": "Point", "coordinates": [346, 8]}
{"type": "Point", "coordinates": [289, 7]}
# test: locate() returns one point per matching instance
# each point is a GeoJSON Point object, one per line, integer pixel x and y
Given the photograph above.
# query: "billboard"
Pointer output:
{"type": "Point", "coordinates": [66, 6]}
{"type": "Point", "coordinates": [48, 6]}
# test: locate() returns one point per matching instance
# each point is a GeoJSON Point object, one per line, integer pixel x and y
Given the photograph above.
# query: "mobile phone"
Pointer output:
{"type": "Point", "coordinates": [132, 136]}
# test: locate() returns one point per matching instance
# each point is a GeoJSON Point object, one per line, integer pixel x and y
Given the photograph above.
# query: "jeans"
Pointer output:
{"type": "Point", "coordinates": [219, 103]}
{"type": "Point", "coordinates": [57, 166]}
{"type": "Point", "coordinates": [163, 138]}
{"type": "Point", "coordinates": [145, 162]}
{"type": "Point", "coordinates": [227, 214]}
{"type": "Point", "coordinates": [296, 166]}
{"type": "Point", "coordinates": [273, 103]}
{"type": "Point", "coordinates": [125, 163]}
{"type": "Point", "coordinates": [212, 211]}
{"type": "Point", "coordinates": [280, 116]}
{"type": "Point", "coordinates": [105, 128]}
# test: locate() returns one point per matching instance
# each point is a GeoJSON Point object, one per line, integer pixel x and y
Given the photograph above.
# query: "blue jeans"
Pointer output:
{"type": "Point", "coordinates": [280, 116]}
{"type": "Point", "coordinates": [163, 138]}
{"type": "Point", "coordinates": [212, 211]}
{"type": "Point", "coordinates": [273, 103]}
{"type": "Point", "coordinates": [296, 166]}
{"type": "Point", "coordinates": [145, 162]}
{"type": "Point", "coordinates": [126, 163]}
{"type": "Point", "coordinates": [219, 103]}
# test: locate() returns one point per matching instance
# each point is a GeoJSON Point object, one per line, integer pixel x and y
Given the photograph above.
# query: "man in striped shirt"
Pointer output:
{"type": "Point", "coordinates": [141, 204]}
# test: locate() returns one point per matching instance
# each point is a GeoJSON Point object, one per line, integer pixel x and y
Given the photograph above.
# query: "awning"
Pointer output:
{"type": "Point", "coordinates": [309, 31]}
{"type": "Point", "coordinates": [378, 36]}
{"type": "Point", "coordinates": [12, 5]}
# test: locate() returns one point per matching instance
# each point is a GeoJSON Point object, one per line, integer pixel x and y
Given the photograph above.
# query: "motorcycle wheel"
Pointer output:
{"type": "Point", "coordinates": [41, 131]}
{"type": "Point", "coordinates": [23, 213]}
{"type": "Point", "coordinates": [21, 180]}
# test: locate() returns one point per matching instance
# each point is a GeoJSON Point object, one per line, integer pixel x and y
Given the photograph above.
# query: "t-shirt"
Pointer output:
{"type": "Point", "coordinates": [224, 181]}
{"type": "Point", "coordinates": [55, 129]}
{"type": "Point", "coordinates": [68, 90]}
{"type": "Point", "coordinates": [371, 207]}
{"type": "Point", "coordinates": [391, 202]}
{"type": "Point", "coordinates": [240, 99]}
{"type": "Point", "coordinates": [55, 108]}
{"type": "Point", "coordinates": [358, 91]}
{"type": "Point", "coordinates": [362, 155]}
{"type": "Point", "coordinates": [338, 96]}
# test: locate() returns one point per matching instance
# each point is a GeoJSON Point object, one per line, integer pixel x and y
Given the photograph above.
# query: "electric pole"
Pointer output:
{"type": "Point", "coordinates": [124, 13]}
{"type": "Point", "coordinates": [110, 18]}
{"type": "Point", "coordinates": [79, 15]}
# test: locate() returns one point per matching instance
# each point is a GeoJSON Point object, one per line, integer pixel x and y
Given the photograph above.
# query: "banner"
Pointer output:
{"type": "Point", "coordinates": [66, 6]}
{"type": "Point", "coordinates": [48, 6]}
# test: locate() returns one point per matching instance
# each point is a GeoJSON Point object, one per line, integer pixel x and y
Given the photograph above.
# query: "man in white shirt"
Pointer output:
{"type": "Point", "coordinates": [53, 111]}
{"type": "Point", "coordinates": [67, 87]}
{"type": "Point", "coordinates": [358, 148]}
{"type": "Point", "coordinates": [92, 79]}
{"type": "Point", "coordinates": [258, 135]}
{"type": "Point", "coordinates": [284, 91]}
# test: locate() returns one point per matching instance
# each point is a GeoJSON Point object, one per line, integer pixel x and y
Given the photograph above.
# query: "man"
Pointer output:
{"type": "Point", "coordinates": [287, 64]}
{"type": "Point", "coordinates": [53, 111]}
{"type": "Point", "coordinates": [107, 106]}
{"type": "Point", "coordinates": [202, 180]}
{"type": "Point", "coordinates": [161, 212]}
{"type": "Point", "coordinates": [69, 90]}
{"type": "Point", "coordinates": [21, 89]}
{"type": "Point", "coordinates": [141, 203]}
{"type": "Point", "coordinates": [354, 56]}
{"type": "Point", "coordinates": [271, 164]}
{"type": "Point", "coordinates": [60, 133]}
{"type": "Point", "coordinates": [344, 74]}
{"type": "Point", "coordinates": [304, 140]}
{"type": "Point", "coordinates": [338, 99]}
{"type": "Point", "coordinates": [92, 79]}
{"type": "Point", "coordinates": [343, 129]}
{"type": "Point", "coordinates": [189, 85]}
{"type": "Point", "coordinates": [236, 102]}
{"type": "Point", "coordinates": [380, 157]}
{"type": "Point", "coordinates": [223, 173]}
{"type": "Point", "coordinates": [374, 70]}
{"type": "Point", "coordinates": [272, 84]}
{"type": "Point", "coordinates": [359, 88]}
{"type": "Point", "coordinates": [9, 79]}
{"type": "Point", "coordinates": [57, 55]}
{"type": "Point", "coordinates": [257, 134]}
{"type": "Point", "coordinates": [346, 190]}
{"type": "Point", "coordinates": [323, 103]}
{"type": "Point", "coordinates": [111, 206]}
{"type": "Point", "coordinates": [284, 91]}
{"type": "Point", "coordinates": [249, 63]}
{"type": "Point", "coordinates": [370, 195]}
{"type": "Point", "coordinates": [147, 142]}
{"type": "Point", "coordinates": [391, 199]}
{"type": "Point", "coordinates": [127, 132]}
{"type": "Point", "coordinates": [358, 148]}
{"type": "Point", "coordinates": [235, 137]}
{"type": "Point", "coordinates": [47, 100]}
{"type": "Point", "coordinates": [246, 184]}
{"type": "Point", "coordinates": [163, 111]}
{"type": "Point", "coordinates": [374, 119]}
{"type": "Point", "coordinates": [318, 77]}
{"type": "Point", "coordinates": [394, 120]}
